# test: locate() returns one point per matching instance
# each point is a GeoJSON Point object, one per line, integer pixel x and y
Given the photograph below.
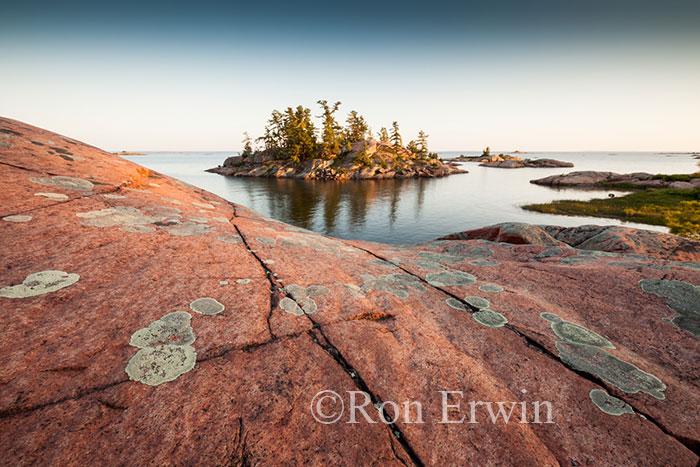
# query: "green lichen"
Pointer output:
{"type": "Point", "coordinates": [682, 298]}
{"type": "Point", "coordinates": [612, 370]}
{"type": "Point", "coordinates": [186, 229]}
{"type": "Point", "coordinates": [302, 296]}
{"type": "Point", "coordinates": [157, 365]}
{"type": "Point", "coordinates": [549, 252]}
{"type": "Point", "coordinates": [17, 218]}
{"type": "Point", "coordinates": [40, 283]}
{"type": "Point", "coordinates": [569, 260]}
{"type": "Point", "coordinates": [483, 262]}
{"type": "Point", "coordinates": [456, 304]}
{"type": "Point", "coordinates": [171, 329]}
{"type": "Point", "coordinates": [477, 302]}
{"type": "Point", "coordinates": [609, 404]}
{"type": "Point", "coordinates": [125, 217]}
{"type": "Point", "coordinates": [231, 239]}
{"type": "Point", "coordinates": [53, 196]}
{"type": "Point", "coordinates": [67, 183]}
{"type": "Point", "coordinates": [398, 285]}
{"type": "Point", "coordinates": [575, 334]}
{"type": "Point", "coordinates": [266, 240]}
{"type": "Point", "coordinates": [491, 288]}
{"type": "Point", "coordinates": [449, 278]}
{"type": "Point", "coordinates": [490, 318]}
{"type": "Point", "coordinates": [207, 306]}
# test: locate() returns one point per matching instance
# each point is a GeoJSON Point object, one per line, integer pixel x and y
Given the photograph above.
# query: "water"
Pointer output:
{"type": "Point", "coordinates": [403, 211]}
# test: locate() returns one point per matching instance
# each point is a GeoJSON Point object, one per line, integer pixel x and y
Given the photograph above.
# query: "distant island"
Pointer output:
{"type": "Point", "coordinates": [292, 149]}
{"type": "Point", "coordinates": [505, 161]}
{"type": "Point", "coordinates": [127, 153]}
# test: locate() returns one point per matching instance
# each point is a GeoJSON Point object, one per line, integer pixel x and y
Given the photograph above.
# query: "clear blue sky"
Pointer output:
{"type": "Point", "coordinates": [539, 75]}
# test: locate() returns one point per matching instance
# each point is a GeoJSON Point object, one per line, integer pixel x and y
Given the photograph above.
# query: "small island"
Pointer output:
{"type": "Point", "coordinates": [291, 149]}
{"type": "Point", "coordinates": [505, 161]}
{"type": "Point", "coordinates": [128, 153]}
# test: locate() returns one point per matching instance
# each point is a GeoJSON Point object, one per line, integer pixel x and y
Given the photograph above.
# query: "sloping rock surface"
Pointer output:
{"type": "Point", "coordinates": [146, 321]}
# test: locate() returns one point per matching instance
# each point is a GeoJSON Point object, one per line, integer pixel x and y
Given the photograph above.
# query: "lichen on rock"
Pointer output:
{"type": "Point", "coordinates": [612, 370]}
{"type": "Point", "coordinates": [609, 404]}
{"type": "Point", "coordinates": [207, 306]}
{"type": "Point", "coordinates": [490, 318]}
{"type": "Point", "coordinates": [18, 218]}
{"type": "Point", "coordinates": [53, 196]}
{"type": "Point", "coordinates": [477, 302]}
{"type": "Point", "coordinates": [67, 183]}
{"type": "Point", "coordinates": [398, 285]}
{"type": "Point", "coordinates": [230, 239]}
{"type": "Point", "coordinates": [157, 365]}
{"type": "Point", "coordinates": [302, 296]}
{"type": "Point", "coordinates": [39, 283]}
{"type": "Point", "coordinates": [575, 334]}
{"type": "Point", "coordinates": [173, 328]}
{"type": "Point", "coordinates": [456, 304]}
{"type": "Point", "coordinates": [449, 278]}
{"type": "Point", "coordinates": [681, 297]}
{"type": "Point", "coordinates": [483, 262]}
{"type": "Point", "coordinates": [491, 288]}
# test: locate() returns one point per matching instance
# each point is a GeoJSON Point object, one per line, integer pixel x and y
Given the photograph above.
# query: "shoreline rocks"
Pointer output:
{"type": "Point", "coordinates": [502, 161]}
{"type": "Point", "coordinates": [612, 179]}
{"type": "Point", "coordinates": [367, 160]}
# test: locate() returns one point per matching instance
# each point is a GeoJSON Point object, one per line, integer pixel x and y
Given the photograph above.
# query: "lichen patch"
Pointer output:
{"type": "Point", "coordinates": [172, 329]}
{"type": "Point", "coordinates": [609, 404]}
{"type": "Point", "coordinates": [477, 302]}
{"type": "Point", "coordinates": [231, 239]}
{"type": "Point", "coordinates": [483, 262]}
{"type": "Point", "coordinates": [17, 218]}
{"type": "Point", "coordinates": [574, 333]}
{"type": "Point", "coordinates": [682, 298]}
{"type": "Point", "coordinates": [67, 183]}
{"type": "Point", "coordinates": [491, 288]}
{"type": "Point", "coordinates": [490, 318]}
{"type": "Point", "coordinates": [40, 283]}
{"type": "Point", "coordinates": [53, 196]}
{"type": "Point", "coordinates": [398, 285]}
{"type": "Point", "coordinates": [157, 365]}
{"type": "Point", "coordinates": [207, 306]}
{"type": "Point", "coordinates": [449, 278]}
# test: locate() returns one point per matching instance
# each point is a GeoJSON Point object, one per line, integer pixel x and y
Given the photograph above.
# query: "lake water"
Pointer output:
{"type": "Point", "coordinates": [404, 211]}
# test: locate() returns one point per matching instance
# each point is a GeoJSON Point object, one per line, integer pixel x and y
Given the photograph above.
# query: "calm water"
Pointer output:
{"type": "Point", "coordinates": [403, 211]}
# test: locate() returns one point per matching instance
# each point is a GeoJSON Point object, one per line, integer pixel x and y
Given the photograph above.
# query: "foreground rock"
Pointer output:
{"type": "Point", "coordinates": [513, 162]}
{"type": "Point", "coordinates": [367, 160]}
{"type": "Point", "coordinates": [148, 321]}
{"type": "Point", "coordinates": [614, 180]}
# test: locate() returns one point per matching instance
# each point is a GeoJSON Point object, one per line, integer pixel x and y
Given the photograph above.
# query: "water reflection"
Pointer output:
{"type": "Point", "coordinates": [308, 203]}
{"type": "Point", "coordinates": [412, 210]}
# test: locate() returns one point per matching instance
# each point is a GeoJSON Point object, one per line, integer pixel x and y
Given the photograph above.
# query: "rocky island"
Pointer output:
{"type": "Point", "coordinates": [291, 149]}
{"type": "Point", "coordinates": [636, 180]}
{"type": "Point", "coordinates": [149, 321]}
{"type": "Point", "coordinates": [505, 161]}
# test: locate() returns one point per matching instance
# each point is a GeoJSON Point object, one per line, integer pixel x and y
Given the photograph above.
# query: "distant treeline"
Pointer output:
{"type": "Point", "coordinates": [292, 135]}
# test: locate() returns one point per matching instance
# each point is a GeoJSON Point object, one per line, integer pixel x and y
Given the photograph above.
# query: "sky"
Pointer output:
{"type": "Point", "coordinates": [612, 75]}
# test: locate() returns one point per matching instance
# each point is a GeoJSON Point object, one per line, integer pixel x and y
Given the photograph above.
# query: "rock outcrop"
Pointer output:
{"type": "Point", "coordinates": [505, 161]}
{"type": "Point", "coordinates": [366, 160]}
{"type": "Point", "coordinates": [612, 180]}
{"type": "Point", "coordinates": [149, 321]}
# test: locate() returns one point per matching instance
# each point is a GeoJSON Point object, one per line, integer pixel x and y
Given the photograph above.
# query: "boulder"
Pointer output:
{"type": "Point", "coordinates": [149, 321]}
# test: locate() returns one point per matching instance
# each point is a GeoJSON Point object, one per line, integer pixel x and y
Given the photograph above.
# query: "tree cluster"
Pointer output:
{"type": "Point", "coordinates": [292, 135]}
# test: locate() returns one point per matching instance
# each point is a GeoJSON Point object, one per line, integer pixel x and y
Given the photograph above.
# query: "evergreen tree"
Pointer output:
{"type": "Point", "coordinates": [383, 135]}
{"type": "Point", "coordinates": [422, 144]}
{"type": "Point", "coordinates": [487, 152]}
{"type": "Point", "coordinates": [357, 128]}
{"type": "Point", "coordinates": [332, 131]}
{"type": "Point", "coordinates": [395, 135]}
{"type": "Point", "coordinates": [247, 145]}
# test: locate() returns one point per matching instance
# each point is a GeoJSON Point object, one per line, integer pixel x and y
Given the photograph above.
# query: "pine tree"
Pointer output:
{"type": "Point", "coordinates": [422, 144]}
{"type": "Point", "coordinates": [357, 128]}
{"type": "Point", "coordinates": [395, 135]}
{"type": "Point", "coordinates": [247, 145]}
{"type": "Point", "coordinates": [383, 135]}
{"type": "Point", "coordinates": [332, 132]}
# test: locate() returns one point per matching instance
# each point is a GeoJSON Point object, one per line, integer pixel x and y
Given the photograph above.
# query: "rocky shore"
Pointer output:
{"type": "Point", "coordinates": [149, 321]}
{"type": "Point", "coordinates": [366, 160]}
{"type": "Point", "coordinates": [613, 180]}
{"type": "Point", "coordinates": [513, 162]}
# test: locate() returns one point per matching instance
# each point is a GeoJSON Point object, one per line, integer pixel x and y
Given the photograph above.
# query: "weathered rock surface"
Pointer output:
{"type": "Point", "coordinates": [611, 239]}
{"type": "Point", "coordinates": [366, 160]}
{"type": "Point", "coordinates": [173, 327]}
{"type": "Point", "coordinates": [612, 179]}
